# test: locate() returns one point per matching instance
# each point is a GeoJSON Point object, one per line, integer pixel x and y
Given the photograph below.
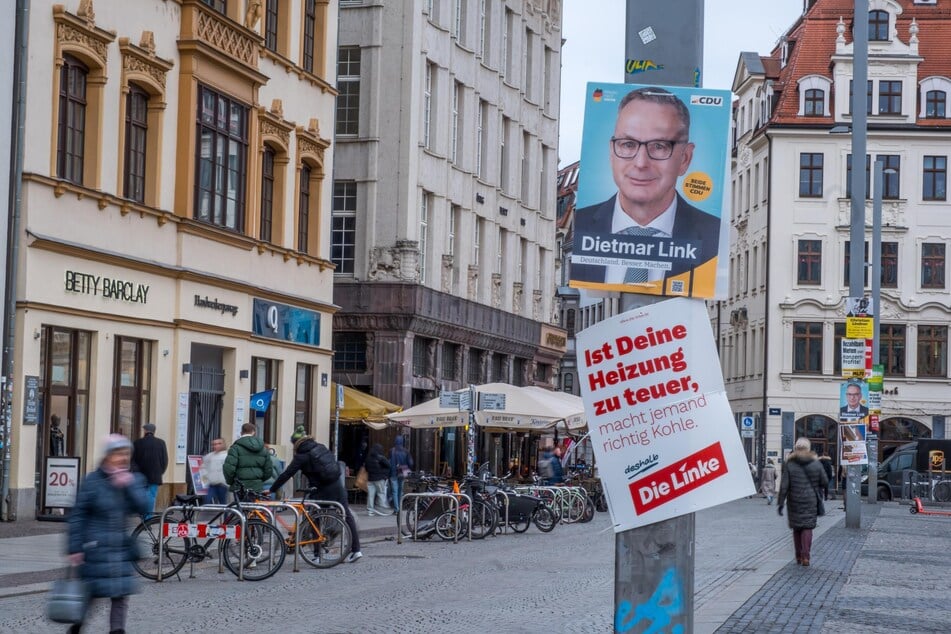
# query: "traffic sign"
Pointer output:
{"type": "Point", "coordinates": [747, 423]}
{"type": "Point", "coordinates": [490, 400]}
{"type": "Point", "coordinates": [747, 433]}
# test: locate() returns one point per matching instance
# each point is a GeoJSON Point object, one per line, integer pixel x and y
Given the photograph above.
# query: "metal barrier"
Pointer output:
{"type": "Point", "coordinates": [454, 506]}
{"type": "Point", "coordinates": [320, 505]}
{"type": "Point", "coordinates": [505, 496]}
{"type": "Point", "coordinates": [192, 509]}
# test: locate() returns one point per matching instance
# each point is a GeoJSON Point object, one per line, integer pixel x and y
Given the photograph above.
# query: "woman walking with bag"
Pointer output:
{"type": "Point", "coordinates": [802, 480]}
{"type": "Point", "coordinates": [99, 542]}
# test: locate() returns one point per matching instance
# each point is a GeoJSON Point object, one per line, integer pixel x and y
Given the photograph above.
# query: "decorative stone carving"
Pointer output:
{"type": "Point", "coordinates": [472, 282]}
{"type": "Point", "coordinates": [66, 33]}
{"type": "Point", "coordinates": [384, 264]}
{"type": "Point", "coordinates": [136, 64]}
{"type": "Point", "coordinates": [147, 42]}
{"type": "Point", "coordinates": [211, 28]}
{"type": "Point", "coordinates": [277, 108]}
{"type": "Point", "coordinates": [517, 298]}
{"type": "Point", "coordinates": [408, 251]}
{"type": "Point", "coordinates": [269, 127]}
{"type": "Point", "coordinates": [787, 385]}
{"type": "Point", "coordinates": [368, 353]}
{"type": "Point", "coordinates": [446, 274]}
{"type": "Point", "coordinates": [85, 11]}
{"type": "Point", "coordinates": [536, 305]}
{"type": "Point", "coordinates": [253, 14]}
{"type": "Point", "coordinates": [307, 145]}
{"type": "Point", "coordinates": [496, 290]}
{"type": "Point", "coordinates": [746, 156]}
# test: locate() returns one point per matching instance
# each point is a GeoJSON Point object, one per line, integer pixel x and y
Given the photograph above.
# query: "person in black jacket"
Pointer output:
{"type": "Point", "coordinates": [378, 471]}
{"type": "Point", "coordinates": [802, 482]}
{"type": "Point", "coordinates": [333, 490]}
{"type": "Point", "coordinates": [150, 458]}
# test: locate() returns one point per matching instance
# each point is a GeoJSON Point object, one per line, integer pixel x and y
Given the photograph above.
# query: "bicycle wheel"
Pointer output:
{"type": "Point", "coordinates": [588, 510]}
{"type": "Point", "coordinates": [544, 519]}
{"type": "Point", "coordinates": [145, 539]}
{"type": "Point", "coordinates": [447, 527]}
{"type": "Point", "coordinates": [519, 523]}
{"type": "Point", "coordinates": [264, 551]}
{"type": "Point", "coordinates": [324, 539]}
{"type": "Point", "coordinates": [484, 519]}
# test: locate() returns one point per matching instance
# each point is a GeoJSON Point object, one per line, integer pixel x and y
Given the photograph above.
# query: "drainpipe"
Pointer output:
{"type": "Point", "coordinates": [769, 231]}
{"type": "Point", "coordinates": [21, 39]}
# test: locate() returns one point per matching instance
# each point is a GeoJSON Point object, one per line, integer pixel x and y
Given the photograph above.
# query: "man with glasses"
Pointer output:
{"type": "Point", "coordinates": [647, 220]}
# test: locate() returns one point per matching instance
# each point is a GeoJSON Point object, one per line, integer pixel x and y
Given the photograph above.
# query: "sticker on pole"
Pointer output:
{"type": "Point", "coordinates": [661, 425]}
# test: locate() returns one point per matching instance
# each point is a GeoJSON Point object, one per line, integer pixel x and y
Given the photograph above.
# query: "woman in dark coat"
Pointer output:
{"type": "Point", "coordinates": [802, 477]}
{"type": "Point", "coordinates": [99, 539]}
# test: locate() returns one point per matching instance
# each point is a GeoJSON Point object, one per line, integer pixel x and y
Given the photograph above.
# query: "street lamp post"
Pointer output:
{"type": "Point", "coordinates": [853, 514]}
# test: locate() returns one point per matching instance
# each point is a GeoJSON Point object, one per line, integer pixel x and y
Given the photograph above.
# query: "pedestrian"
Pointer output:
{"type": "Point", "coordinates": [558, 471]}
{"type": "Point", "coordinates": [98, 540]}
{"type": "Point", "coordinates": [378, 470]}
{"type": "Point", "coordinates": [247, 463]}
{"type": "Point", "coordinates": [150, 458]}
{"type": "Point", "coordinates": [401, 463]}
{"type": "Point", "coordinates": [802, 480]}
{"type": "Point", "coordinates": [767, 484]}
{"type": "Point", "coordinates": [546, 470]}
{"type": "Point", "coordinates": [826, 461]}
{"type": "Point", "coordinates": [315, 461]}
{"type": "Point", "coordinates": [57, 437]}
{"type": "Point", "coordinates": [213, 473]}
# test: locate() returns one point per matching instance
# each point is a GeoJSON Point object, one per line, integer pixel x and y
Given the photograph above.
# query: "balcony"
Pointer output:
{"type": "Point", "coordinates": [216, 37]}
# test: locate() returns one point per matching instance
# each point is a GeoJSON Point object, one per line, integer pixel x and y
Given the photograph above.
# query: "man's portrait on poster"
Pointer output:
{"type": "Point", "coordinates": [646, 219]}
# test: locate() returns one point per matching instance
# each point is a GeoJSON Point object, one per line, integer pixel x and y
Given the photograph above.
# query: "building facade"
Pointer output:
{"type": "Point", "coordinates": [780, 330]}
{"type": "Point", "coordinates": [174, 256]}
{"type": "Point", "coordinates": [444, 199]}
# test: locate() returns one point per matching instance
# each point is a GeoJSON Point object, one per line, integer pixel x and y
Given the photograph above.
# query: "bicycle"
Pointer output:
{"type": "Point", "coordinates": [263, 545]}
{"type": "Point", "coordinates": [323, 530]}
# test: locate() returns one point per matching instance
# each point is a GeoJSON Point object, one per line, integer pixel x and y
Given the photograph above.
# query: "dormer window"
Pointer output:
{"type": "Point", "coordinates": [784, 54]}
{"type": "Point", "coordinates": [935, 101]}
{"type": "Point", "coordinates": [814, 96]}
{"type": "Point", "coordinates": [933, 97]}
{"type": "Point", "coordinates": [877, 26]}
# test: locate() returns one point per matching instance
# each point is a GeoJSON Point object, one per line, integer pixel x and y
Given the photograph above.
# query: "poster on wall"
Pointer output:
{"type": "Point", "coordinates": [854, 449]}
{"type": "Point", "coordinates": [653, 206]}
{"type": "Point", "coordinates": [62, 482]}
{"type": "Point", "coordinates": [661, 425]}
{"type": "Point", "coordinates": [181, 428]}
{"type": "Point", "coordinates": [194, 471]}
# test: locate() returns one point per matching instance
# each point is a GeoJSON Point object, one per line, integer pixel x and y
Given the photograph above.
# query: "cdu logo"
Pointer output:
{"type": "Point", "coordinates": [705, 100]}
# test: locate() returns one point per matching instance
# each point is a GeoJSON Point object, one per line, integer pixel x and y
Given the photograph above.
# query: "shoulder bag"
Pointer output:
{"type": "Point", "coordinates": [68, 598]}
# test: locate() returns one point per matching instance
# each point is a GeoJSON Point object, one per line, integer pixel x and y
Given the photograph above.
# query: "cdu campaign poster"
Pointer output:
{"type": "Point", "coordinates": [652, 214]}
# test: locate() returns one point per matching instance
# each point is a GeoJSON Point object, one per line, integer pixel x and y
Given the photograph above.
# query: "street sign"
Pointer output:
{"type": "Point", "coordinates": [747, 423]}
{"type": "Point", "coordinates": [747, 433]}
{"type": "Point", "coordinates": [465, 401]}
{"type": "Point", "coordinates": [31, 403]}
{"type": "Point", "coordinates": [495, 401]}
{"type": "Point", "coordinates": [775, 411]}
{"type": "Point", "coordinates": [449, 399]}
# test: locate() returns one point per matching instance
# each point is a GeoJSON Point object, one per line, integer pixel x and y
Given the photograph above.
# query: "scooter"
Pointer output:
{"type": "Point", "coordinates": [918, 507]}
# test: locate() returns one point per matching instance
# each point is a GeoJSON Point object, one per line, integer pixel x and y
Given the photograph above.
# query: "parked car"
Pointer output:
{"type": "Point", "coordinates": [921, 456]}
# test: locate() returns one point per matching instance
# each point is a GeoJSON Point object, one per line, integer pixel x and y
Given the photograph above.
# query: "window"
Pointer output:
{"type": "Point", "coordinates": [889, 97]}
{"type": "Point", "coordinates": [450, 366]}
{"type": "Point", "coordinates": [304, 397]}
{"type": "Point", "coordinates": [71, 136]}
{"type": "Point", "coordinates": [344, 226]}
{"type": "Point", "coordinates": [807, 347]}
{"type": "Point", "coordinates": [222, 160]}
{"type": "Point", "coordinates": [348, 91]}
{"type": "Point", "coordinates": [477, 242]}
{"type": "Point", "coordinates": [264, 376]}
{"type": "Point", "coordinates": [505, 152]}
{"type": "Point", "coordinates": [889, 265]}
{"type": "Point", "coordinates": [932, 351]}
{"type": "Point", "coordinates": [868, 97]}
{"type": "Point", "coordinates": [310, 24]}
{"type": "Point", "coordinates": [506, 43]}
{"type": "Point", "coordinates": [132, 379]}
{"type": "Point", "coordinates": [500, 252]}
{"type": "Point", "coordinates": [877, 26]}
{"type": "Point", "coordinates": [221, 6]}
{"type": "Point", "coordinates": [428, 103]}
{"type": "Point", "coordinates": [271, 24]}
{"type": "Point", "coordinates": [456, 139]}
{"type": "Point", "coordinates": [891, 189]}
{"type": "Point", "coordinates": [810, 262]}
{"type": "Point", "coordinates": [526, 167]}
{"type": "Point", "coordinates": [455, 215]}
{"type": "Point", "coordinates": [542, 372]}
{"type": "Point", "coordinates": [424, 204]}
{"type": "Point", "coordinates": [518, 372]}
{"type": "Point", "coordinates": [482, 141]}
{"type": "Point", "coordinates": [848, 259]}
{"type": "Point", "coordinates": [422, 365]}
{"type": "Point", "coordinates": [483, 30]}
{"type": "Point", "coordinates": [935, 178]}
{"type": "Point", "coordinates": [935, 104]}
{"type": "Point", "coordinates": [459, 22]}
{"type": "Point", "coordinates": [568, 382]}
{"type": "Point", "coordinates": [529, 74]}
{"type": "Point", "coordinates": [267, 193]}
{"type": "Point", "coordinates": [350, 351]}
{"type": "Point", "coordinates": [498, 368]}
{"type": "Point", "coordinates": [136, 136]}
{"type": "Point", "coordinates": [303, 208]}
{"type": "Point", "coordinates": [891, 349]}
{"type": "Point", "coordinates": [932, 265]}
{"type": "Point", "coordinates": [810, 175]}
{"type": "Point", "coordinates": [814, 103]}
{"type": "Point", "coordinates": [570, 320]}
{"type": "Point", "coordinates": [848, 175]}
{"type": "Point", "coordinates": [475, 366]}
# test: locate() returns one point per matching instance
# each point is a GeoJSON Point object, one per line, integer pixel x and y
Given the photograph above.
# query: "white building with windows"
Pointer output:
{"type": "Point", "coordinates": [174, 252]}
{"type": "Point", "coordinates": [444, 195]}
{"type": "Point", "coordinates": [780, 329]}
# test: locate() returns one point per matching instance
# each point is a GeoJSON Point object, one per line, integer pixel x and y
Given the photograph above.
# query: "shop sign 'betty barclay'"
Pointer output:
{"type": "Point", "coordinates": [107, 287]}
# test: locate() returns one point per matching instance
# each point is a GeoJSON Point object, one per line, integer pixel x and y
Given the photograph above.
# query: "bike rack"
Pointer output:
{"type": "Point", "coordinates": [454, 506]}
{"type": "Point", "coordinates": [181, 507]}
{"type": "Point", "coordinates": [286, 506]}
{"type": "Point", "coordinates": [505, 496]}
{"type": "Point", "coordinates": [320, 505]}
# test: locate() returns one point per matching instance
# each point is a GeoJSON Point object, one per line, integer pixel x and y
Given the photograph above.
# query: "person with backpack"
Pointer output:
{"type": "Point", "coordinates": [320, 466]}
{"type": "Point", "coordinates": [248, 461]}
{"type": "Point", "coordinates": [546, 470]}
{"type": "Point", "coordinates": [401, 463]}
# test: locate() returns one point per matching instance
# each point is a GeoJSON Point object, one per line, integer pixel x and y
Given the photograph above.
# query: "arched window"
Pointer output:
{"type": "Point", "coordinates": [136, 138]}
{"type": "Point", "coordinates": [71, 134]}
{"type": "Point", "coordinates": [877, 26]}
{"type": "Point", "coordinates": [303, 208]}
{"type": "Point", "coordinates": [267, 194]}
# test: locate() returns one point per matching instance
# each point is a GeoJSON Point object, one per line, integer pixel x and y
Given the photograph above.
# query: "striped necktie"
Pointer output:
{"type": "Point", "coordinates": [635, 275]}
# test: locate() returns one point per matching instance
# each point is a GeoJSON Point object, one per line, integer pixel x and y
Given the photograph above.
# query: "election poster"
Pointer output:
{"type": "Point", "coordinates": [652, 214]}
{"type": "Point", "coordinates": [199, 486]}
{"type": "Point", "coordinates": [854, 449]}
{"type": "Point", "coordinates": [661, 426]}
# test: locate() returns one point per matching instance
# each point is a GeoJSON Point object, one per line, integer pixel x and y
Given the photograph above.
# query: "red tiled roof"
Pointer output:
{"type": "Point", "coordinates": [812, 42]}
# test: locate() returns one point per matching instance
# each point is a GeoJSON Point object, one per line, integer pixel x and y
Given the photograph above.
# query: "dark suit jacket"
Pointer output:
{"type": "Point", "coordinates": [690, 223]}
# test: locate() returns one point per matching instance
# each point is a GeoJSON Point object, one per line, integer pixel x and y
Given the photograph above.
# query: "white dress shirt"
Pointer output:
{"type": "Point", "coordinates": [662, 224]}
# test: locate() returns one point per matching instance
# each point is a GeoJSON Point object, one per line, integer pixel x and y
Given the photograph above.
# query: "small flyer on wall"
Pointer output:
{"type": "Point", "coordinates": [661, 425]}
{"type": "Point", "coordinates": [854, 450]}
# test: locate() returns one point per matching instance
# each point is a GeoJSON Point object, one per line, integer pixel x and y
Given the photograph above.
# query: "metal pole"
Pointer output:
{"type": "Point", "coordinates": [872, 439]}
{"type": "Point", "coordinates": [21, 44]}
{"type": "Point", "coordinates": [853, 514]}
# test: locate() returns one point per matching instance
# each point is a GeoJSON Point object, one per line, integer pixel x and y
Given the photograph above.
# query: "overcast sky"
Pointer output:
{"type": "Point", "coordinates": [594, 49]}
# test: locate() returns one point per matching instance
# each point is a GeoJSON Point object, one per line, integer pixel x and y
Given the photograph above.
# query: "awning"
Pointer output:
{"type": "Point", "coordinates": [360, 407]}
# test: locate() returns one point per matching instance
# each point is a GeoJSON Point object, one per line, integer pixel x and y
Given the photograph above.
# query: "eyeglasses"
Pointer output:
{"type": "Point", "coordinates": [658, 149]}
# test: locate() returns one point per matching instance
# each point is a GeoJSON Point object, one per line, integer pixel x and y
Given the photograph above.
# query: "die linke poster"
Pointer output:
{"type": "Point", "coordinates": [664, 435]}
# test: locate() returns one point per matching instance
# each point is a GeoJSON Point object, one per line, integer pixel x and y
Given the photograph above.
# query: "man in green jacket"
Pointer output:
{"type": "Point", "coordinates": [247, 461]}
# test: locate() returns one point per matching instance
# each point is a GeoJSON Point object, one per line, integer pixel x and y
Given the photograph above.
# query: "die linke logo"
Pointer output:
{"type": "Point", "coordinates": [681, 477]}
